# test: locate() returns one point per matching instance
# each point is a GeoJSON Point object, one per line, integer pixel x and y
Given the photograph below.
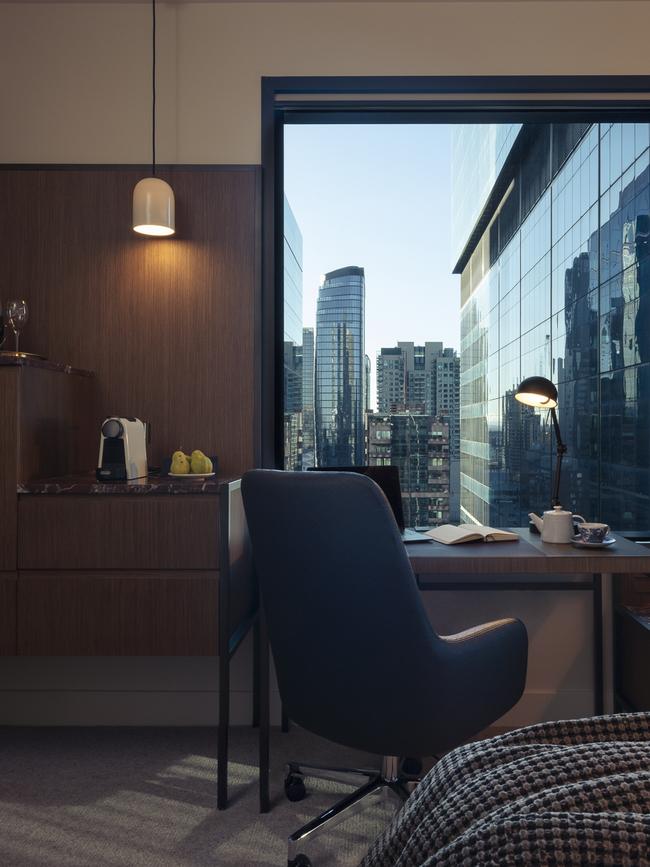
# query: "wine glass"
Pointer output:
{"type": "Point", "coordinates": [16, 316]}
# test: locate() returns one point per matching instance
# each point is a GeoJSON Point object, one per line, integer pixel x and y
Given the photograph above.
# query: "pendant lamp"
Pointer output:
{"type": "Point", "coordinates": [153, 198]}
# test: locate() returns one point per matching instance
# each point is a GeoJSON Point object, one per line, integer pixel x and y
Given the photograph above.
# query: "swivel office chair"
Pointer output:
{"type": "Point", "coordinates": [357, 660]}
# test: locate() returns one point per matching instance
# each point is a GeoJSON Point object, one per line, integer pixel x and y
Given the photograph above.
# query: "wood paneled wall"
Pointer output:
{"type": "Point", "coordinates": [167, 325]}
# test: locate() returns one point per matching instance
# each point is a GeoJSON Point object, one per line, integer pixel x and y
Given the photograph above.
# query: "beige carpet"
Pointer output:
{"type": "Point", "coordinates": [146, 798]}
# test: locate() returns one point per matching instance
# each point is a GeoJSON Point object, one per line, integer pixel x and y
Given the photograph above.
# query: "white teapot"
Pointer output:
{"type": "Point", "coordinates": [556, 525]}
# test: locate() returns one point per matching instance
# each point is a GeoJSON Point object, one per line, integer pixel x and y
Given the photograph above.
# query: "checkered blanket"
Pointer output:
{"type": "Point", "coordinates": [574, 792]}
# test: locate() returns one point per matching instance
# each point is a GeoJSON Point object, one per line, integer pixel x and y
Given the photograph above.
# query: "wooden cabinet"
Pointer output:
{"type": "Point", "coordinates": [47, 417]}
{"type": "Point", "coordinates": [88, 573]}
{"type": "Point", "coordinates": [118, 574]}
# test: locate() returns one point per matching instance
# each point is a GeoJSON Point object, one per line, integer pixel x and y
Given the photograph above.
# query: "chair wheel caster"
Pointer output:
{"type": "Point", "coordinates": [294, 789]}
{"type": "Point", "coordinates": [299, 861]}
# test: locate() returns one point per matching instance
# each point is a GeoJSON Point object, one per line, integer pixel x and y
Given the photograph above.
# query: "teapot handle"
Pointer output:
{"type": "Point", "coordinates": [575, 517]}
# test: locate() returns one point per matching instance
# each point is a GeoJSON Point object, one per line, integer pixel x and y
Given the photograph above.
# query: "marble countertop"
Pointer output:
{"type": "Point", "coordinates": [86, 483]}
{"type": "Point", "coordinates": [42, 363]}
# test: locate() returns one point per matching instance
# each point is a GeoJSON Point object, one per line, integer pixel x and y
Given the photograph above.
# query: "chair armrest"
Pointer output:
{"type": "Point", "coordinates": [477, 631]}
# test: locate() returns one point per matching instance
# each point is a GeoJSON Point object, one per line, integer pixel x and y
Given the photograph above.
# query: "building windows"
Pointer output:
{"type": "Point", "coordinates": [568, 297]}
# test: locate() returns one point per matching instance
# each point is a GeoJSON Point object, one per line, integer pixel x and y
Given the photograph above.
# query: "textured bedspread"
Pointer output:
{"type": "Point", "coordinates": [572, 792]}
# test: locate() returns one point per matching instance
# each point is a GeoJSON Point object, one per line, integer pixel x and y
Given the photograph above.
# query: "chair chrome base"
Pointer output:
{"type": "Point", "coordinates": [377, 783]}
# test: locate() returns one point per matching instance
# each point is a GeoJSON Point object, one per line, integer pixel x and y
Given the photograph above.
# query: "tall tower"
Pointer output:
{"type": "Point", "coordinates": [293, 364]}
{"type": "Point", "coordinates": [339, 366]}
{"type": "Point", "coordinates": [308, 433]}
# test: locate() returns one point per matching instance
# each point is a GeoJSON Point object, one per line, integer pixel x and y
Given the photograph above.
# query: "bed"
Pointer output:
{"type": "Point", "coordinates": [571, 792]}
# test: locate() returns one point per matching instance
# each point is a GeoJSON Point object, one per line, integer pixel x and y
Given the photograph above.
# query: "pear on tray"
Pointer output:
{"type": "Point", "coordinates": [197, 463]}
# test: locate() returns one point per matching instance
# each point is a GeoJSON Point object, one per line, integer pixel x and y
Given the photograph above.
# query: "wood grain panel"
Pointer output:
{"type": "Point", "coordinates": [166, 324]}
{"type": "Point", "coordinates": [110, 614]}
{"type": "Point", "coordinates": [118, 532]}
{"type": "Point", "coordinates": [7, 613]}
{"type": "Point", "coordinates": [57, 416]}
{"type": "Point", "coordinates": [8, 466]}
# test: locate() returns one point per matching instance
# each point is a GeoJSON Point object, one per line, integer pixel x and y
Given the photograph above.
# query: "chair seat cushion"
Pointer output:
{"type": "Point", "coordinates": [561, 793]}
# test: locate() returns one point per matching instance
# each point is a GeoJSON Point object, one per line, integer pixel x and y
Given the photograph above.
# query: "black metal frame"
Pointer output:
{"type": "Point", "coordinates": [386, 100]}
{"type": "Point", "coordinates": [377, 99]}
{"type": "Point", "coordinates": [230, 639]}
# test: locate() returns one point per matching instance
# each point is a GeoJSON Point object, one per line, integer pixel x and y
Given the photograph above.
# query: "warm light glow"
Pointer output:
{"type": "Point", "coordinates": [153, 230]}
{"type": "Point", "coordinates": [539, 400]}
{"type": "Point", "coordinates": [153, 208]}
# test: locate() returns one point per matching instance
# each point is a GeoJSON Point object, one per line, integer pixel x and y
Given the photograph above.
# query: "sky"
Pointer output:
{"type": "Point", "coordinates": [378, 196]}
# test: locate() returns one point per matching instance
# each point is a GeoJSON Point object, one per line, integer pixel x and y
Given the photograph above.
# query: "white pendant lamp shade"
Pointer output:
{"type": "Point", "coordinates": [153, 207]}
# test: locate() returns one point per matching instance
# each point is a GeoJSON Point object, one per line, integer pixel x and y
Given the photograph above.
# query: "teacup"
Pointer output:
{"type": "Point", "coordinates": [593, 533]}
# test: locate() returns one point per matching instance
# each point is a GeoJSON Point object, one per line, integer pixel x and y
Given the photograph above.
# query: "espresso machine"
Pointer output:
{"type": "Point", "coordinates": [122, 450]}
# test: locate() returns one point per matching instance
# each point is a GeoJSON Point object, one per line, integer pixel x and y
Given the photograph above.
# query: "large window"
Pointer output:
{"type": "Point", "coordinates": [542, 269]}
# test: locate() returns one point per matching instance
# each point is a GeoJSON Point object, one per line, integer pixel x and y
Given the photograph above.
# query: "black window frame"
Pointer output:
{"type": "Point", "coordinates": [397, 99]}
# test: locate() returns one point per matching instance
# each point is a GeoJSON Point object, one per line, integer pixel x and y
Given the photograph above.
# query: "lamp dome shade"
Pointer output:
{"type": "Point", "coordinates": [537, 391]}
{"type": "Point", "coordinates": [153, 208]}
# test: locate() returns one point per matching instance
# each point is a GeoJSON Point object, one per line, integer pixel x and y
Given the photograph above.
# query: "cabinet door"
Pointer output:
{"type": "Point", "coordinates": [130, 531]}
{"type": "Point", "coordinates": [117, 614]}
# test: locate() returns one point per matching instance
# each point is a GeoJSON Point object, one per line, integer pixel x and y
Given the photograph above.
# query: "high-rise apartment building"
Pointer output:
{"type": "Point", "coordinates": [418, 376]}
{"type": "Point", "coordinates": [339, 368]}
{"type": "Point", "coordinates": [424, 380]}
{"type": "Point", "coordinates": [308, 430]}
{"type": "Point", "coordinates": [293, 332]}
{"type": "Point", "coordinates": [555, 281]}
{"type": "Point", "coordinates": [418, 445]}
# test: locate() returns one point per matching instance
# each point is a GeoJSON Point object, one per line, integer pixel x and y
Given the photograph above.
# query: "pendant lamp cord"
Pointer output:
{"type": "Point", "coordinates": [153, 87]}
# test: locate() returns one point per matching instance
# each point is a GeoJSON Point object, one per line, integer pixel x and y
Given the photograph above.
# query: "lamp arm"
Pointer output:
{"type": "Point", "coordinates": [561, 451]}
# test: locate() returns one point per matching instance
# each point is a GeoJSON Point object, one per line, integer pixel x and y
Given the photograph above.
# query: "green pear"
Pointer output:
{"type": "Point", "coordinates": [199, 462]}
{"type": "Point", "coordinates": [180, 464]}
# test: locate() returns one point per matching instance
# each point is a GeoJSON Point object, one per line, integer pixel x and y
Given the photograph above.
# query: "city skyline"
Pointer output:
{"type": "Point", "coordinates": [378, 197]}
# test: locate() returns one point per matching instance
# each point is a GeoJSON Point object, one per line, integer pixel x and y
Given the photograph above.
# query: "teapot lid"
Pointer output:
{"type": "Point", "coordinates": [558, 511]}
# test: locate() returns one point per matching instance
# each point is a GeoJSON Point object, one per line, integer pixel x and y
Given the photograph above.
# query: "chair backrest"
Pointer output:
{"type": "Point", "coordinates": [347, 627]}
{"type": "Point", "coordinates": [387, 477]}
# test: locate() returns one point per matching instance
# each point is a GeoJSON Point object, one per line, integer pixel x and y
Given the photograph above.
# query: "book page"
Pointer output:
{"type": "Point", "coordinates": [493, 534]}
{"type": "Point", "coordinates": [449, 534]}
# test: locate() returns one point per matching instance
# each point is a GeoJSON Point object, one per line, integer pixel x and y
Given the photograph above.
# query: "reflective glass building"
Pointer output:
{"type": "Point", "coordinates": [293, 353]}
{"type": "Point", "coordinates": [555, 281]}
{"type": "Point", "coordinates": [339, 367]}
{"type": "Point", "coordinates": [308, 433]}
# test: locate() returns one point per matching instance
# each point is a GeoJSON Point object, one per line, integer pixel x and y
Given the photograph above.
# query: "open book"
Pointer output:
{"type": "Point", "coordinates": [448, 534]}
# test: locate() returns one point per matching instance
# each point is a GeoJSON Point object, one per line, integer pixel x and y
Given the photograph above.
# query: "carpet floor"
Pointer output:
{"type": "Point", "coordinates": [146, 797]}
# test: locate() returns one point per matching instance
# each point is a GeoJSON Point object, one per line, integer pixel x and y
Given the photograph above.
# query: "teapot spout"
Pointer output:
{"type": "Point", "coordinates": [537, 521]}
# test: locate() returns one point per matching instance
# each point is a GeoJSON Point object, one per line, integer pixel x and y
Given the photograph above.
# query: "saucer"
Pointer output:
{"type": "Point", "coordinates": [607, 541]}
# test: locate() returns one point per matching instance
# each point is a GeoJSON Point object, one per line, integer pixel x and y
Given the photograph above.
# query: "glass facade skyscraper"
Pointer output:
{"type": "Point", "coordinates": [293, 352]}
{"type": "Point", "coordinates": [555, 281]}
{"type": "Point", "coordinates": [308, 432]}
{"type": "Point", "coordinates": [339, 367]}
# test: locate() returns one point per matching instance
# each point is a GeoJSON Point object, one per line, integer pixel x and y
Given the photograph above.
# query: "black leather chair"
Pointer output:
{"type": "Point", "coordinates": [356, 657]}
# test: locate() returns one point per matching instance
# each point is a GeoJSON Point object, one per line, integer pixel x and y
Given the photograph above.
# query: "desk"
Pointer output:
{"type": "Point", "coordinates": [528, 564]}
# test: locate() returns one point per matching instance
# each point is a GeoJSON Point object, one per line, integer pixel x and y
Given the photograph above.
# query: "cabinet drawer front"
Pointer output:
{"type": "Point", "coordinates": [105, 531]}
{"type": "Point", "coordinates": [113, 614]}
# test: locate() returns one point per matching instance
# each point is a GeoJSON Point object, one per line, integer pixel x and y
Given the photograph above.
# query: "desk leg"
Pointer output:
{"type": "Point", "coordinates": [223, 726]}
{"type": "Point", "coordinates": [256, 672]}
{"type": "Point", "coordinates": [607, 638]}
{"type": "Point", "coordinates": [264, 714]}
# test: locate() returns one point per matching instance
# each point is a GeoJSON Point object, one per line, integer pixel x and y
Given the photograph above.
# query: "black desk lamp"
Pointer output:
{"type": "Point", "coordinates": [541, 393]}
